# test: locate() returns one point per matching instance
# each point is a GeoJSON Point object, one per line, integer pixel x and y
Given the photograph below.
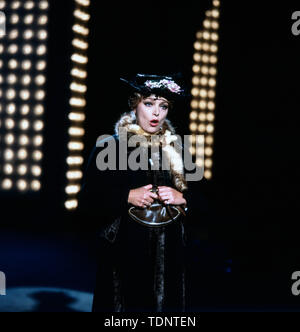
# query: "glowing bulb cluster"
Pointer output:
{"type": "Point", "coordinates": [23, 51]}
{"type": "Point", "coordinates": [77, 102]}
{"type": "Point", "coordinates": [203, 104]}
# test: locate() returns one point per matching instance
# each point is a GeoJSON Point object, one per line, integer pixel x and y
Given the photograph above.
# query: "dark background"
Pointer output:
{"type": "Point", "coordinates": [244, 239]}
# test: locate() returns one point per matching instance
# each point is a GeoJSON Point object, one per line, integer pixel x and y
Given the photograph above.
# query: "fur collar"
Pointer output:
{"type": "Point", "coordinates": [167, 136]}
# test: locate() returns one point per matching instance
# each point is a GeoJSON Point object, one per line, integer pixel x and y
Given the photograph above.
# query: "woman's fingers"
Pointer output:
{"type": "Point", "coordinates": [150, 186]}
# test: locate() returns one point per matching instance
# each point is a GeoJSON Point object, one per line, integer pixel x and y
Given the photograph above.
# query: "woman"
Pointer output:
{"type": "Point", "coordinates": [141, 268]}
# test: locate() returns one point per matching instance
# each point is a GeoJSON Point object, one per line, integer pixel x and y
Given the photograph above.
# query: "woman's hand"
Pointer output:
{"type": "Point", "coordinates": [142, 197]}
{"type": "Point", "coordinates": [171, 196]}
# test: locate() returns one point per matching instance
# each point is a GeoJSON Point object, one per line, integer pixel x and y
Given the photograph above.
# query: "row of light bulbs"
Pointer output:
{"type": "Point", "coordinates": [78, 89]}
{"type": "Point", "coordinates": [23, 50]}
{"type": "Point", "coordinates": [202, 116]}
{"type": "Point", "coordinates": [27, 5]}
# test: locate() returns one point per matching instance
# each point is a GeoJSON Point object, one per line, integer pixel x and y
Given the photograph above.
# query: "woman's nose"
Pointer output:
{"type": "Point", "coordinates": [156, 110]}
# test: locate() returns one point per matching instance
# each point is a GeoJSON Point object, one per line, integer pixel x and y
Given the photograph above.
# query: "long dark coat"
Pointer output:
{"type": "Point", "coordinates": [141, 269]}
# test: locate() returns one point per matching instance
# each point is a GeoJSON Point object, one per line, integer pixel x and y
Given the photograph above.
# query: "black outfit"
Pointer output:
{"type": "Point", "coordinates": [141, 269]}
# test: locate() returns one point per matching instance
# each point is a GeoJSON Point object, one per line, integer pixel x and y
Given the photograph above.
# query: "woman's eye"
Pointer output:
{"type": "Point", "coordinates": [165, 107]}
{"type": "Point", "coordinates": [148, 104]}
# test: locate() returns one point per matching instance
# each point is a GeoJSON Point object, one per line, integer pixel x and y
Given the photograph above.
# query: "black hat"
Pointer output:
{"type": "Point", "coordinates": [163, 86]}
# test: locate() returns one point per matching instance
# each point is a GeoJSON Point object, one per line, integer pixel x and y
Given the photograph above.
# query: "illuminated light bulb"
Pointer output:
{"type": "Point", "coordinates": [196, 69]}
{"type": "Point", "coordinates": [24, 124]}
{"type": "Point", "coordinates": [27, 49]}
{"type": "Point", "coordinates": [40, 95]}
{"type": "Point", "coordinates": [22, 169]}
{"type": "Point", "coordinates": [75, 146]}
{"type": "Point", "coordinates": [9, 154]}
{"type": "Point", "coordinates": [25, 109]}
{"type": "Point", "coordinates": [197, 57]}
{"type": "Point", "coordinates": [81, 59]}
{"type": "Point", "coordinates": [23, 140]}
{"type": "Point", "coordinates": [71, 204]}
{"type": "Point", "coordinates": [28, 19]}
{"type": "Point", "coordinates": [81, 29]}
{"type": "Point", "coordinates": [41, 50]}
{"type": "Point", "coordinates": [205, 58]}
{"type": "Point", "coordinates": [9, 139]}
{"type": "Point", "coordinates": [42, 20]}
{"type": "Point", "coordinates": [26, 80]}
{"type": "Point", "coordinates": [22, 154]}
{"type": "Point", "coordinates": [77, 102]}
{"type": "Point", "coordinates": [42, 35]}
{"type": "Point", "coordinates": [35, 185]}
{"type": "Point", "coordinates": [209, 140]}
{"type": "Point", "coordinates": [195, 92]}
{"type": "Point", "coordinates": [79, 73]}
{"type": "Point", "coordinates": [43, 5]}
{"type": "Point", "coordinates": [203, 80]}
{"type": "Point", "coordinates": [192, 150]}
{"type": "Point", "coordinates": [202, 104]}
{"type": "Point", "coordinates": [85, 3]}
{"type": "Point", "coordinates": [213, 71]}
{"type": "Point", "coordinates": [13, 64]}
{"type": "Point", "coordinates": [215, 25]}
{"type": "Point", "coordinates": [9, 123]}
{"type": "Point", "coordinates": [208, 163]}
{"type": "Point", "coordinates": [80, 44]}
{"type": "Point", "coordinates": [74, 175]}
{"type": "Point", "coordinates": [36, 171]}
{"type": "Point", "coordinates": [209, 152]}
{"type": "Point", "coordinates": [202, 116]}
{"type": "Point", "coordinates": [24, 94]}
{"type": "Point", "coordinates": [211, 94]}
{"type": "Point", "coordinates": [213, 59]}
{"type": "Point", "coordinates": [13, 49]}
{"type": "Point", "coordinates": [193, 116]}
{"type": "Point", "coordinates": [26, 65]}
{"type": "Point", "coordinates": [214, 48]}
{"type": "Point", "coordinates": [194, 104]}
{"type": "Point", "coordinates": [72, 189]}
{"type": "Point", "coordinates": [28, 34]}
{"type": "Point", "coordinates": [77, 117]}
{"type": "Point", "coordinates": [78, 87]}
{"type": "Point", "coordinates": [210, 117]}
{"type": "Point", "coordinates": [200, 139]}
{"type": "Point", "coordinates": [196, 80]}
{"type": "Point", "coordinates": [29, 5]}
{"type": "Point", "coordinates": [14, 19]}
{"type": "Point", "coordinates": [7, 184]}
{"type": "Point", "coordinates": [22, 185]}
{"type": "Point", "coordinates": [12, 79]}
{"type": "Point", "coordinates": [11, 109]}
{"type": "Point", "coordinates": [212, 82]}
{"type": "Point", "coordinates": [198, 46]}
{"type": "Point", "coordinates": [210, 128]}
{"type": "Point", "coordinates": [206, 47]}
{"type": "Point", "coordinates": [81, 15]}
{"type": "Point", "coordinates": [215, 13]}
{"type": "Point", "coordinates": [41, 65]}
{"type": "Point", "coordinates": [38, 125]}
{"type": "Point", "coordinates": [74, 131]}
{"type": "Point", "coordinates": [200, 152]}
{"type": "Point", "coordinates": [211, 106]}
{"type": "Point", "coordinates": [37, 155]}
{"type": "Point", "coordinates": [75, 161]}
{"type": "Point", "coordinates": [11, 94]}
{"type": "Point", "coordinates": [203, 93]}
{"type": "Point", "coordinates": [193, 127]}
{"type": "Point", "coordinates": [38, 140]}
{"type": "Point", "coordinates": [8, 169]}
{"type": "Point", "coordinates": [39, 110]}
{"type": "Point", "coordinates": [201, 128]}
{"type": "Point", "coordinates": [40, 80]}
{"type": "Point", "coordinates": [208, 175]}
{"type": "Point", "coordinates": [200, 162]}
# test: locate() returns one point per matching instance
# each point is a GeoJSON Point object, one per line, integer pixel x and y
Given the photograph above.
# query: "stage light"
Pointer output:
{"type": "Point", "coordinates": [205, 82]}
{"type": "Point", "coordinates": [78, 88]}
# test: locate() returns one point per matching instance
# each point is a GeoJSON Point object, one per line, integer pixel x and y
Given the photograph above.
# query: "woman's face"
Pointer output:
{"type": "Point", "coordinates": [151, 113]}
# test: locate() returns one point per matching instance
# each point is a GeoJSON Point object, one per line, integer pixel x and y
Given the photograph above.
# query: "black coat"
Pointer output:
{"type": "Point", "coordinates": [140, 268]}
